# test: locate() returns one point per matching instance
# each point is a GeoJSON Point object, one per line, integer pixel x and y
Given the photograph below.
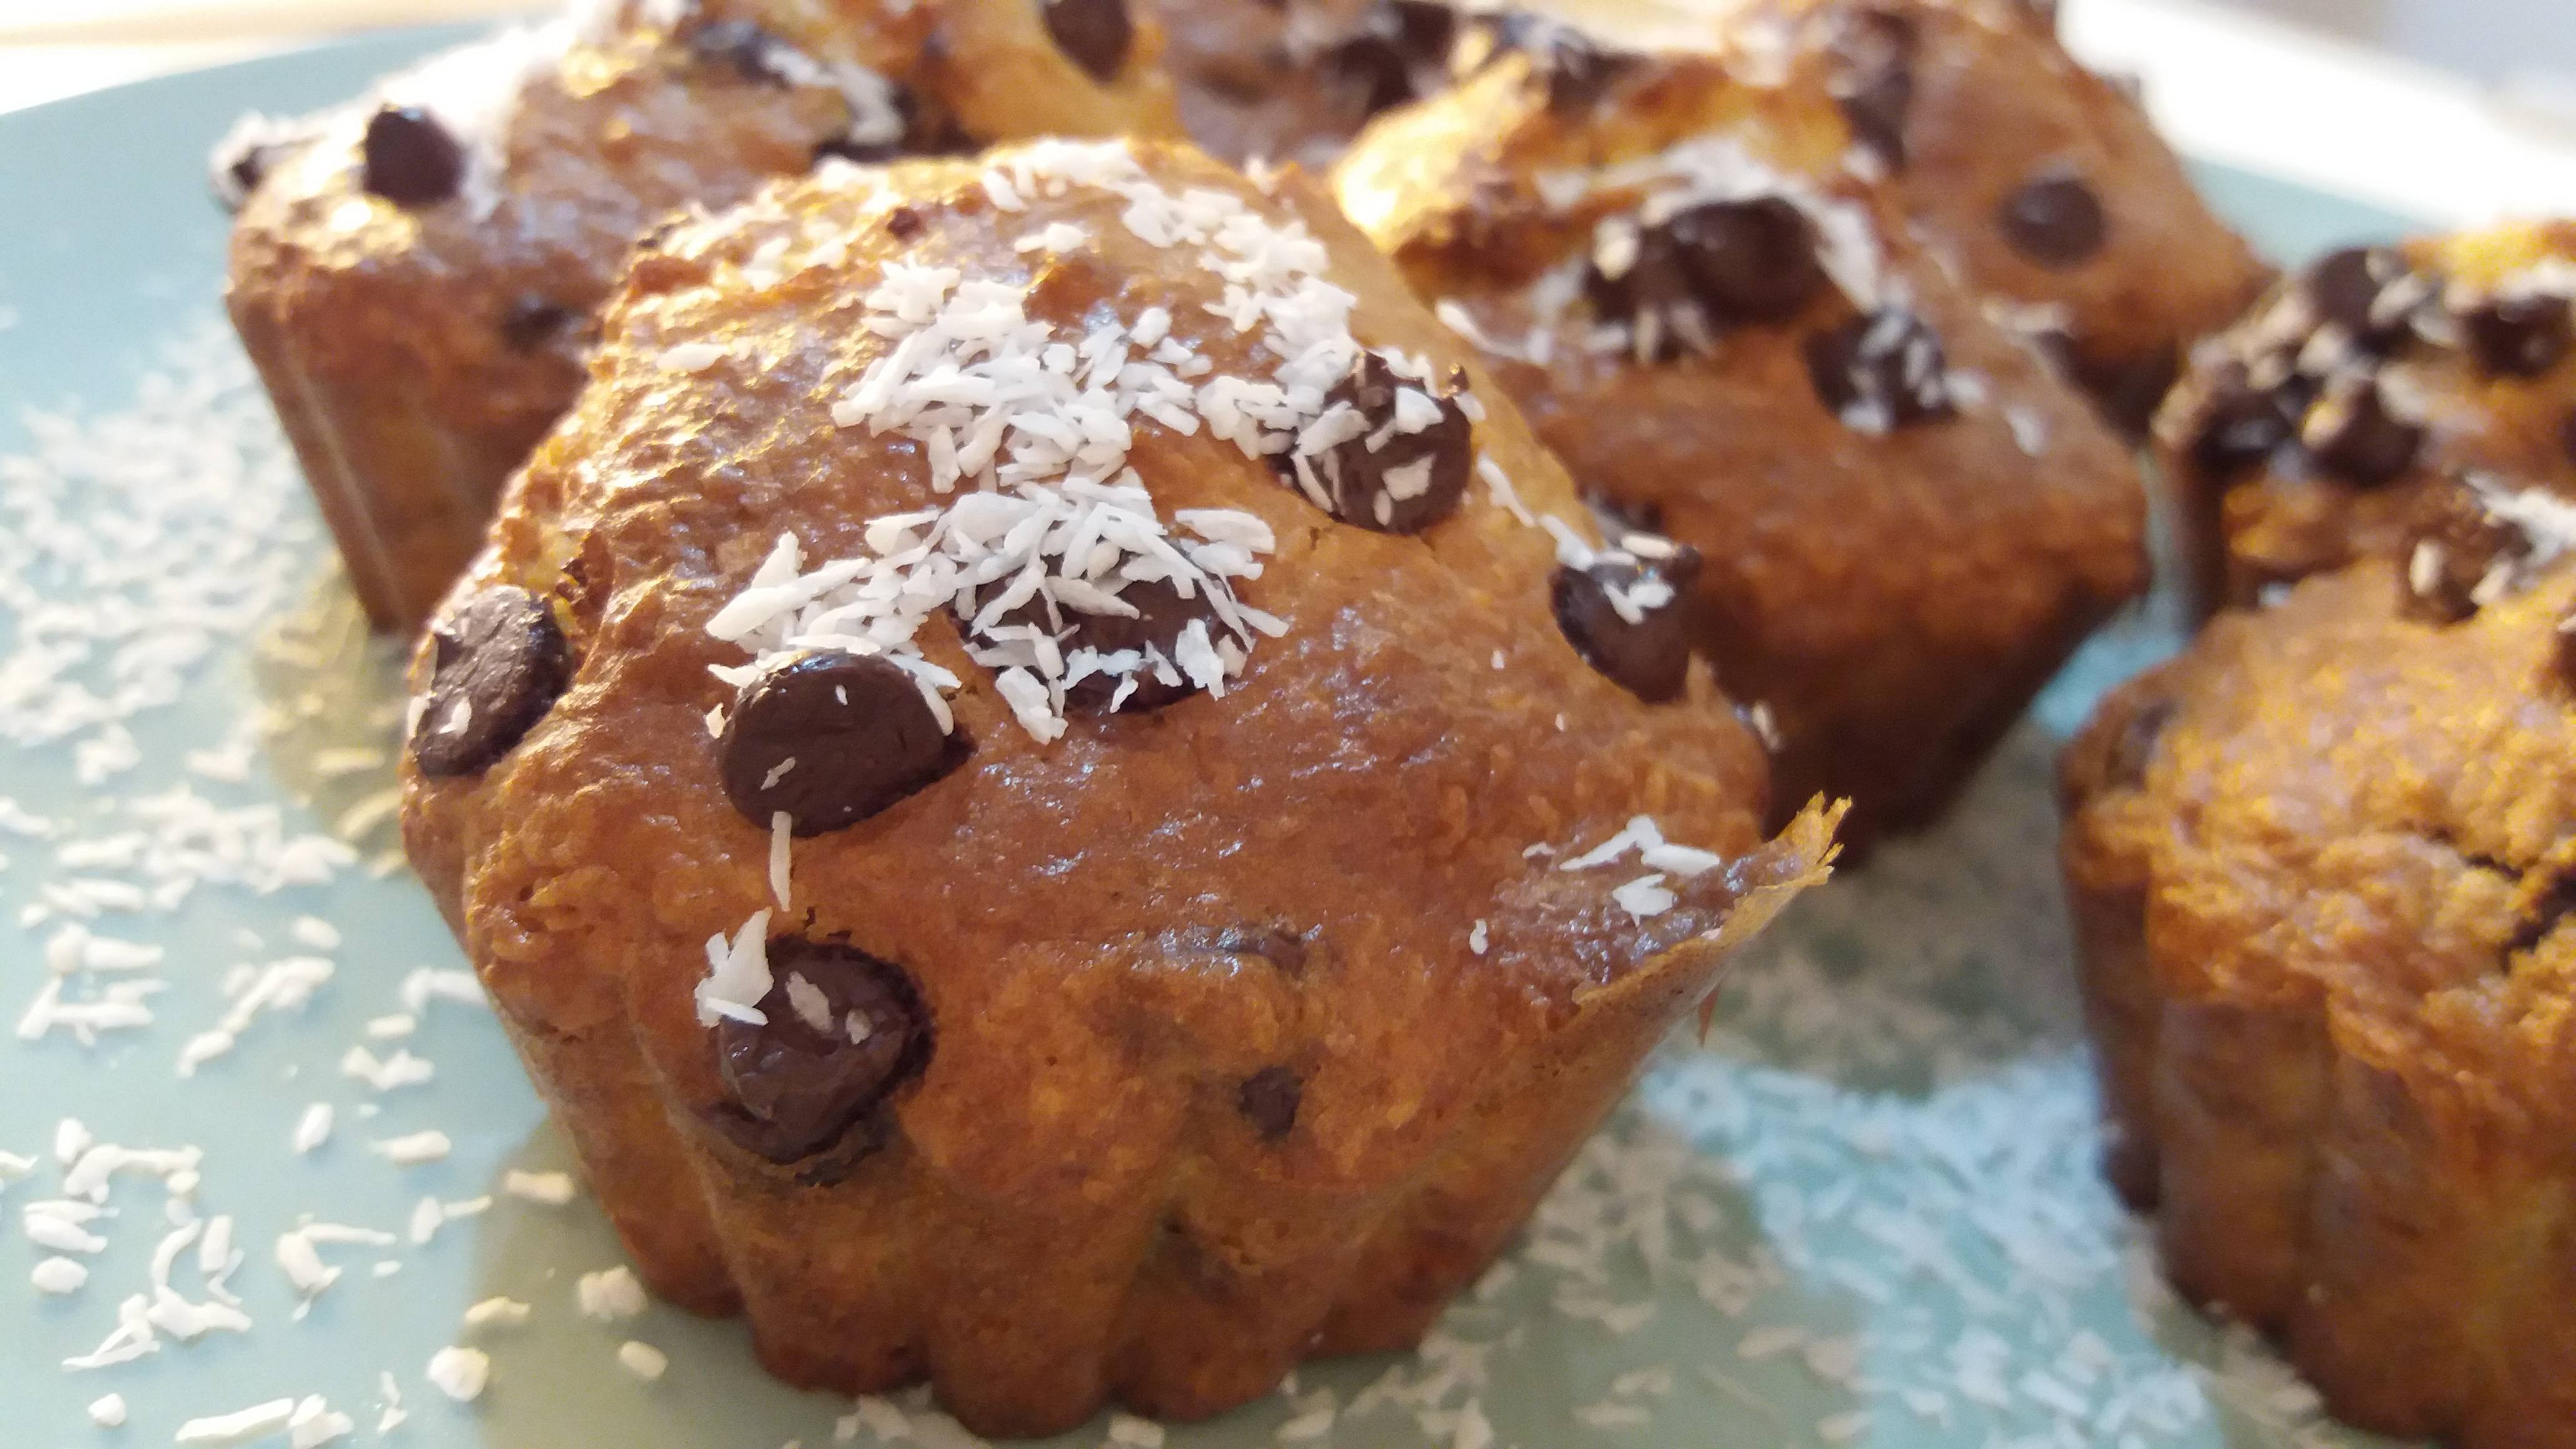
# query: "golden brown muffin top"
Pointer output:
{"type": "Point", "coordinates": [1383, 771]}
{"type": "Point", "coordinates": [510, 177]}
{"type": "Point", "coordinates": [2337, 420]}
{"type": "Point", "coordinates": [2340, 800]}
{"type": "Point", "coordinates": [1728, 337]}
{"type": "Point", "coordinates": [2043, 184]}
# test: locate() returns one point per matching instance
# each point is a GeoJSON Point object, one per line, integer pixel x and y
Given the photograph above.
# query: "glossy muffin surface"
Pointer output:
{"type": "Point", "coordinates": [1242, 1010]}
{"type": "Point", "coordinates": [1907, 521]}
{"type": "Point", "coordinates": [2321, 869]}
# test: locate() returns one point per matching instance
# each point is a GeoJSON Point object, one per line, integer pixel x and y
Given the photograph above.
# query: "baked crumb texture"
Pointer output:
{"type": "Point", "coordinates": [1058, 793]}
{"type": "Point", "coordinates": [2333, 421]}
{"type": "Point", "coordinates": [1677, 266]}
{"type": "Point", "coordinates": [416, 274]}
{"type": "Point", "coordinates": [2321, 868]}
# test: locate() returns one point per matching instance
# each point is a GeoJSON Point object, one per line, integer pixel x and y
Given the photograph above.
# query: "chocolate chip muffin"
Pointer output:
{"type": "Point", "coordinates": [2043, 184]}
{"type": "Point", "coordinates": [1906, 521]}
{"type": "Point", "coordinates": [415, 274]}
{"type": "Point", "coordinates": [2322, 868]}
{"type": "Point", "coordinates": [1059, 794]}
{"type": "Point", "coordinates": [2336, 421]}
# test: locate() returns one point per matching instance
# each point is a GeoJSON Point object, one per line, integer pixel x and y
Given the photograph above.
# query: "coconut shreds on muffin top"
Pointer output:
{"type": "Point", "coordinates": [1034, 422]}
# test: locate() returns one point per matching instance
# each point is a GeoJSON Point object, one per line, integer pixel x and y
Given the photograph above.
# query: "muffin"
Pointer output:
{"type": "Point", "coordinates": [1907, 521]}
{"type": "Point", "coordinates": [2041, 183]}
{"type": "Point", "coordinates": [1058, 793]}
{"type": "Point", "coordinates": [2321, 867]}
{"type": "Point", "coordinates": [2332, 422]}
{"type": "Point", "coordinates": [414, 274]}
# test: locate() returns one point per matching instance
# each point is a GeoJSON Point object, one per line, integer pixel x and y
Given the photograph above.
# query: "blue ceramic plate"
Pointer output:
{"type": "Point", "coordinates": [1862, 1211]}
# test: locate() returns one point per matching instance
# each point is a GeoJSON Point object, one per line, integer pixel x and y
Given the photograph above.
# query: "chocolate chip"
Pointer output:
{"type": "Point", "coordinates": [2518, 336]}
{"type": "Point", "coordinates": [1270, 943]}
{"type": "Point", "coordinates": [2349, 288]}
{"type": "Point", "coordinates": [1881, 371]}
{"type": "Point", "coordinates": [2352, 434]}
{"type": "Point", "coordinates": [248, 152]}
{"type": "Point", "coordinates": [749, 51]}
{"type": "Point", "coordinates": [1749, 261]}
{"type": "Point", "coordinates": [498, 663]}
{"type": "Point", "coordinates": [1268, 1100]}
{"type": "Point", "coordinates": [410, 159]}
{"type": "Point", "coordinates": [831, 739]}
{"type": "Point", "coordinates": [1397, 52]}
{"type": "Point", "coordinates": [1404, 465]}
{"type": "Point", "coordinates": [2565, 653]}
{"type": "Point", "coordinates": [531, 322]}
{"type": "Point", "coordinates": [2130, 391]}
{"type": "Point", "coordinates": [1127, 664]}
{"type": "Point", "coordinates": [1875, 81]}
{"type": "Point", "coordinates": [844, 1032]}
{"type": "Point", "coordinates": [1643, 283]}
{"type": "Point", "coordinates": [2240, 425]}
{"type": "Point", "coordinates": [2054, 220]}
{"type": "Point", "coordinates": [2556, 903]}
{"type": "Point", "coordinates": [2135, 750]}
{"type": "Point", "coordinates": [1624, 613]}
{"type": "Point", "coordinates": [2455, 550]}
{"type": "Point", "coordinates": [904, 224]}
{"type": "Point", "coordinates": [1576, 69]}
{"type": "Point", "coordinates": [1093, 34]}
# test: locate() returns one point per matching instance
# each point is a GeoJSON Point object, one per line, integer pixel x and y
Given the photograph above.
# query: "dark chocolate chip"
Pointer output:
{"type": "Point", "coordinates": [247, 153]}
{"type": "Point", "coordinates": [2129, 392]}
{"type": "Point", "coordinates": [2454, 547]}
{"type": "Point", "coordinates": [1093, 34]}
{"type": "Point", "coordinates": [2240, 425]}
{"type": "Point", "coordinates": [831, 739]}
{"type": "Point", "coordinates": [1268, 1100]}
{"type": "Point", "coordinates": [2352, 434]}
{"type": "Point", "coordinates": [531, 322]}
{"type": "Point", "coordinates": [1152, 636]}
{"type": "Point", "coordinates": [1880, 371]}
{"type": "Point", "coordinates": [410, 158]}
{"type": "Point", "coordinates": [1875, 84]}
{"type": "Point", "coordinates": [2518, 336]}
{"type": "Point", "coordinates": [2135, 750]}
{"type": "Point", "coordinates": [2555, 905]}
{"type": "Point", "coordinates": [749, 51]}
{"type": "Point", "coordinates": [1649, 656]}
{"type": "Point", "coordinates": [1385, 478]}
{"type": "Point", "coordinates": [2565, 654]}
{"type": "Point", "coordinates": [844, 1032]}
{"type": "Point", "coordinates": [2055, 220]}
{"type": "Point", "coordinates": [1270, 943]}
{"type": "Point", "coordinates": [1749, 261]}
{"type": "Point", "coordinates": [904, 224]}
{"type": "Point", "coordinates": [2347, 288]}
{"type": "Point", "coordinates": [1397, 52]}
{"type": "Point", "coordinates": [498, 663]}
{"type": "Point", "coordinates": [1654, 294]}
{"type": "Point", "coordinates": [1576, 69]}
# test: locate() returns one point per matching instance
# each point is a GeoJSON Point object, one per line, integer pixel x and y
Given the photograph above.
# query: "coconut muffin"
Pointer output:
{"type": "Point", "coordinates": [2332, 423]}
{"type": "Point", "coordinates": [2321, 872]}
{"type": "Point", "coordinates": [415, 274]}
{"type": "Point", "coordinates": [2042, 184]}
{"type": "Point", "coordinates": [1906, 520]}
{"type": "Point", "coordinates": [1059, 794]}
